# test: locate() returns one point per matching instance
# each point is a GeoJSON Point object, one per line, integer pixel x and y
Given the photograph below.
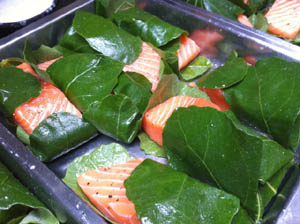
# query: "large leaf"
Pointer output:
{"type": "Point", "coordinates": [58, 134]}
{"type": "Point", "coordinates": [85, 78]}
{"type": "Point", "coordinates": [269, 99]}
{"type": "Point", "coordinates": [74, 42]}
{"type": "Point", "coordinates": [105, 37]}
{"type": "Point", "coordinates": [270, 149]}
{"type": "Point", "coordinates": [149, 27]}
{"type": "Point", "coordinates": [13, 193]}
{"type": "Point", "coordinates": [150, 147]}
{"type": "Point", "coordinates": [197, 68]}
{"type": "Point", "coordinates": [16, 88]}
{"type": "Point", "coordinates": [232, 72]}
{"type": "Point", "coordinates": [116, 116]}
{"type": "Point", "coordinates": [136, 87]}
{"type": "Point", "coordinates": [107, 8]}
{"type": "Point", "coordinates": [102, 156]}
{"type": "Point", "coordinates": [205, 141]}
{"type": "Point", "coordinates": [163, 195]}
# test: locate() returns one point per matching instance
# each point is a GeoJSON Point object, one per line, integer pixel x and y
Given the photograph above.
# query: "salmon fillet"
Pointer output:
{"type": "Point", "coordinates": [244, 20]}
{"type": "Point", "coordinates": [43, 66]}
{"type": "Point", "coordinates": [105, 189]}
{"type": "Point", "coordinates": [284, 18]}
{"type": "Point", "coordinates": [188, 50]}
{"type": "Point", "coordinates": [216, 96]}
{"type": "Point", "coordinates": [155, 119]}
{"type": "Point", "coordinates": [51, 100]}
{"type": "Point", "coordinates": [147, 64]}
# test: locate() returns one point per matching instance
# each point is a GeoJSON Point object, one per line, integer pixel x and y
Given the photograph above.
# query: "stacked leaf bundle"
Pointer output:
{"type": "Point", "coordinates": [119, 71]}
{"type": "Point", "coordinates": [205, 141]}
{"type": "Point", "coordinates": [46, 120]}
{"type": "Point", "coordinates": [278, 17]}
{"type": "Point", "coordinates": [105, 72]}
{"type": "Point", "coordinates": [18, 205]}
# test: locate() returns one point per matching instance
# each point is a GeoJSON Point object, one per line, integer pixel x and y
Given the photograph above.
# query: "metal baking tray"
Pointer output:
{"type": "Point", "coordinates": [44, 179]}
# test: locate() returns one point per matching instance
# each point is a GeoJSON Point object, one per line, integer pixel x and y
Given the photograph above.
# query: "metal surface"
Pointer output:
{"type": "Point", "coordinates": [42, 182]}
{"type": "Point", "coordinates": [232, 37]}
{"type": "Point", "coordinates": [12, 11]}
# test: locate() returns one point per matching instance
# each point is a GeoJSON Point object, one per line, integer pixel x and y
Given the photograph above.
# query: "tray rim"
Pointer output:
{"type": "Point", "coordinates": [67, 10]}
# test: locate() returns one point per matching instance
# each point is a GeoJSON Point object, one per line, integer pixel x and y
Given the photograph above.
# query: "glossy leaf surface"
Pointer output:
{"type": "Point", "coordinates": [85, 78]}
{"type": "Point", "coordinates": [116, 116]}
{"type": "Point", "coordinates": [13, 193]}
{"type": "Point", "coordinates": [219, 151]}
{"type": "Point", "coordinates": [269, 99]}
{"type": "Point", "coordinates": [149, 27]}
{"type": "Point", "coordinates": [105, 37]}
{"type": "Point", "coordinates": [16, 87]}
{"type": "Point", "coordinates": [163, 195]}
{"type": "Point", "coordinates": [136, 87]}
{"type": "Point", "coordinates": [59, 133]}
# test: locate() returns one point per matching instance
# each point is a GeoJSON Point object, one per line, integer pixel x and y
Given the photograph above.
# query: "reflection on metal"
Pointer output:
{"type": "Point", "coordinates": [12, 11]}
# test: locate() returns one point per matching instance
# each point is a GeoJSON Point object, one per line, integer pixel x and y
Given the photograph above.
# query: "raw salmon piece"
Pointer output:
{"type": "Point", "coordinates": [147, 64]}
{"type": "Point", "coordinates": [216, 96]}
{"type": "Point", "coordinates": [284, 18]}
{"type": "Point", "coordinates": [43, 66]}
{"type": "Point", "coordinates": [105, 189]}
{"type": "Point", "coordinates": [188, 50]}
{"type": "Point", "coordinates": [244, 20]}
{"type": "Point", "coordinates": [51, 100]}
{"type": "Point", "coordinates": [27, 68]}
{"type": "Point", "coordinates": [155, 119]}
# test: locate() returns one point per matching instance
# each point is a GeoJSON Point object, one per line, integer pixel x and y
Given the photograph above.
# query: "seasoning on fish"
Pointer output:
{"type": "Point", "coordinates": [284, 18]}
{"type": "Point", "coordinates": [155, 119]}
{"type": "Point", "coordinates": [188, 50]}
{"type": "Point", "coordinates": [105, 189]}
{"type": "Point", "coordinates": [51, 100]}
{"type": "Point", "coordinates": [43, 66]}
{"type": "Point", "coordinates": [147, 64]}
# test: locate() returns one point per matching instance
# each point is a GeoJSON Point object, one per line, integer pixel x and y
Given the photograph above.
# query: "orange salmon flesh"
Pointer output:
{"type": "Point", "coordinates": [284, 18]}
{"type": "Point", "coordinates": [244, 20]}
{"type": "Point", "coordinates": [105, 189]}
{"type": "Point", "coordinates": [43, 66]}
{"type": "Point", "coordinates": [188, 50]}
{"type": "Point", "coordinates": [51, 100]}
{"type": "Point", "coordinates": [155, 119]}
{"type": "Point", "coordinates": [147, 64]}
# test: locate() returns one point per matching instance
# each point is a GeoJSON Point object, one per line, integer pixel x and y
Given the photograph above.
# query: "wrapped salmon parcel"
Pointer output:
{"type": "Point", "coordinates": [46, 120]}
{"type": "Point", "coordinates": [111, 76]}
